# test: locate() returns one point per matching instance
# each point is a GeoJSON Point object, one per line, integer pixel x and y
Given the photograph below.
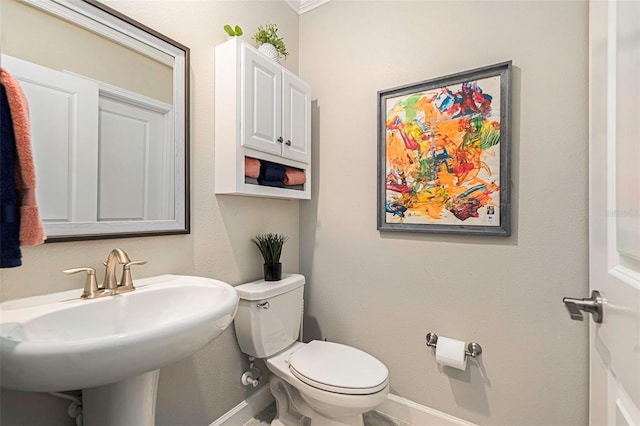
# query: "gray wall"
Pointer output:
{"type": "Point", "coordinates": [383, 292]}
{"type": "Point", "coordinates": [201, 388]}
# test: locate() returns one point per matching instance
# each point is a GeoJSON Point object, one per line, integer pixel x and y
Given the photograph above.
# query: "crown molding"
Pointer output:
{"type": "Point", "coordinates": [302, 6]}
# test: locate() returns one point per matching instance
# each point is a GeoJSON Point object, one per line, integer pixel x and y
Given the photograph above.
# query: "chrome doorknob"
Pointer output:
{"type": "Point", "coordinates": [592, 305]}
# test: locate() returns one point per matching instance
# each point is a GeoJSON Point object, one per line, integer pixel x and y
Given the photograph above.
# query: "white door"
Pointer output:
{"type": "Point", "coordinates": [134, 186]}
{"type": "Point", "coordinates": [63, 112]}
{"type": "Point", "coordinates": [261, 102]}
{"type": "Point", "coordinates": [296, 116]}
{"type": "Point", "coordinates": [614, 133]}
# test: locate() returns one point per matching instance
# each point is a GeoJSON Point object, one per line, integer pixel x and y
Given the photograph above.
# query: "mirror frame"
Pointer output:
{"type": "Point", "coordinates": [100, 18]}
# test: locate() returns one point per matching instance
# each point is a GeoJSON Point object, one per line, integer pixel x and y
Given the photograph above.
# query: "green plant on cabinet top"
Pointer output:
{"type": "Point", "coordinates": [233, 32]}
{"type": "Point", "coordinates": [269, 34]}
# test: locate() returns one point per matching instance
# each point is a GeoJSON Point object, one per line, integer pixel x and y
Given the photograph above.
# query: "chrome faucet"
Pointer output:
{"type": "Point", "coordinates": [110, 286]}
{"type": "Point", "coordinates": [110, 282]}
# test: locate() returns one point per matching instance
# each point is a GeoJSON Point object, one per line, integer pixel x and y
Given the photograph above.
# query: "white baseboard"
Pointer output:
{"type": "Point", "coordinates": [418, 415]}
{"type": "Point", "coordinates": [247, 409]}
{"type": "Point", "coordinates": [399, 408]}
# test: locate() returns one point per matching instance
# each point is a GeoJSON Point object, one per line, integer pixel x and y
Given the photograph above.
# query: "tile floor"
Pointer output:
{"type": "Point", "coordinates": [372, 418]}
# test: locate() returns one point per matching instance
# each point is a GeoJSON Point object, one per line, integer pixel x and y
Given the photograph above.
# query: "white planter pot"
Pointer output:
{"type": "Point", "coordinates": [270, 51]}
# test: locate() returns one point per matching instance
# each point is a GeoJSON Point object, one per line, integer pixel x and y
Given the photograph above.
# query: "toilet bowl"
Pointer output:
{"type": "Point", "coordinates": [338, 382]}
{"type": "Point", "coordinates": [330, 383]}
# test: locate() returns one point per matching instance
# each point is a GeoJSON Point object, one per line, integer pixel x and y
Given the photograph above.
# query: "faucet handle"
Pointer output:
{"type": "Point", "coordinates": [91, 289]}
{"type": "Point", "coordinates": [126, 282]}
{"type": "Point", "coordinates": [135, 262]}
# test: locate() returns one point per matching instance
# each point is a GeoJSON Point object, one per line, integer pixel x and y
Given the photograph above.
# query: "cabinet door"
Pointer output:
{"type": "Point", "coordinates": [261, 108]}
{"type": "Point", "coordinates": [296, 125]}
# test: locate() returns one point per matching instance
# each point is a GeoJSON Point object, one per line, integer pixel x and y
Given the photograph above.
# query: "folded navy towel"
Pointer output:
{"type": "Point", "coordinates": [274, 183]}
{"type": "Point", "coordinates": [271, 171]}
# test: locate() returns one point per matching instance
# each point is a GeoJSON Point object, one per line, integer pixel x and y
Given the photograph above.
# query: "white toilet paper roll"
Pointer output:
{"type": "Point", "coordinates": [451, 352]}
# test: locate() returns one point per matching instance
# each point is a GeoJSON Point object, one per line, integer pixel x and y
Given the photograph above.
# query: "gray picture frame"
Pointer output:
{"type": "Point", "coordinates": [391, 210]}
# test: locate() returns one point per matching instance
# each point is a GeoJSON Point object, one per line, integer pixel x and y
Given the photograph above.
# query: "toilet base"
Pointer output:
{"type": "Point", "coordinates": [292, 409]}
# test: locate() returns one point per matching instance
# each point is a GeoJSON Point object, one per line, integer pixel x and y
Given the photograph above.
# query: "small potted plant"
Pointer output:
{"type": "Point", "coordinates": [270, 246]}
{"type": "Point", "coordinates": [270, 43]}
{"type": "Point", "coordinates": [233, 32]}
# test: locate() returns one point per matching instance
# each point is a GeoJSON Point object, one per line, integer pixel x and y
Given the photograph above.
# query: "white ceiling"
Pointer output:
{"type": "Point", "coordinates": [302, 6]}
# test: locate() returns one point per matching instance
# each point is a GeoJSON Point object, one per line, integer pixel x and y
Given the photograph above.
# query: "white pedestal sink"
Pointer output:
{"type": "Point", "coordinates": [111, 347]}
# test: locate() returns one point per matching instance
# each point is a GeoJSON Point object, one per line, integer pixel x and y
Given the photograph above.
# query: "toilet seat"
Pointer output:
{"type": "Point", "coordinates": [338, 368]}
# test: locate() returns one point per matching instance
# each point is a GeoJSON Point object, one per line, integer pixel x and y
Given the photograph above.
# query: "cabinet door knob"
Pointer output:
{"type": "Point", "coordinates": [280, 139]}
{"type": "Point", "coordinates": [288, 142]}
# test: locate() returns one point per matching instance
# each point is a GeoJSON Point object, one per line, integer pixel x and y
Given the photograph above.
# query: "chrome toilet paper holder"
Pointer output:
{"type": "Point", "coordinates": [473, 349]}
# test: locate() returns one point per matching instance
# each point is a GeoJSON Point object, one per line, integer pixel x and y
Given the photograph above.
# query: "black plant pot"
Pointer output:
{"type": "Point", "coordinates": [272, 271]}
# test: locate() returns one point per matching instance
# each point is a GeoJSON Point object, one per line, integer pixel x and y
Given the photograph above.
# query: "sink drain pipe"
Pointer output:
{"type": "Point", "coordinates": [75, 408]}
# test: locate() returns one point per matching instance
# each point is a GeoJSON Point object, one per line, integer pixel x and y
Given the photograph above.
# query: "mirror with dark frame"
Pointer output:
{"type": "Point", "coordinates": [109, 110]}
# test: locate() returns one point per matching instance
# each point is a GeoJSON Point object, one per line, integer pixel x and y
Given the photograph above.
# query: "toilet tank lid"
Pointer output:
{"type": "Point", "coordinates": [261, 289]}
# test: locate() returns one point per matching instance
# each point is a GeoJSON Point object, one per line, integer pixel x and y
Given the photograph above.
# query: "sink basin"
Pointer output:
{"type": "Point", "coordinates": [60, 342]}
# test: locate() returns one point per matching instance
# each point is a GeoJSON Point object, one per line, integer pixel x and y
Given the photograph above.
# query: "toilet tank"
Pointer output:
{"type": "Point", "coordinates": [269, 315]}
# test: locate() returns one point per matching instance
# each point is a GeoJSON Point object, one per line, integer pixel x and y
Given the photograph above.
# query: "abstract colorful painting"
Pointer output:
{"type": "Point", "coordinates": [444, 154]}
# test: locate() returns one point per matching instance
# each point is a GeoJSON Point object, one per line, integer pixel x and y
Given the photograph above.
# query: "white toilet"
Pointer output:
{"type": "Point", "coordinates": [330, 383]}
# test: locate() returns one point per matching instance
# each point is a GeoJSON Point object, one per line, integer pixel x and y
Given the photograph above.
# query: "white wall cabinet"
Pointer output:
{"type": "Point", "coordinates": [262, 111]}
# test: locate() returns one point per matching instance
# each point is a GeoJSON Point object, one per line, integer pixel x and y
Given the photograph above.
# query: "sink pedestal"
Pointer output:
{"type": "Point", "coordinates": [128, 402]}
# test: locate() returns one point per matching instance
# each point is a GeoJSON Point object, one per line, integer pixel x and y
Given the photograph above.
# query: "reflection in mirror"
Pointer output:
{"type": "Point", "coordinates": [108, 100]}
